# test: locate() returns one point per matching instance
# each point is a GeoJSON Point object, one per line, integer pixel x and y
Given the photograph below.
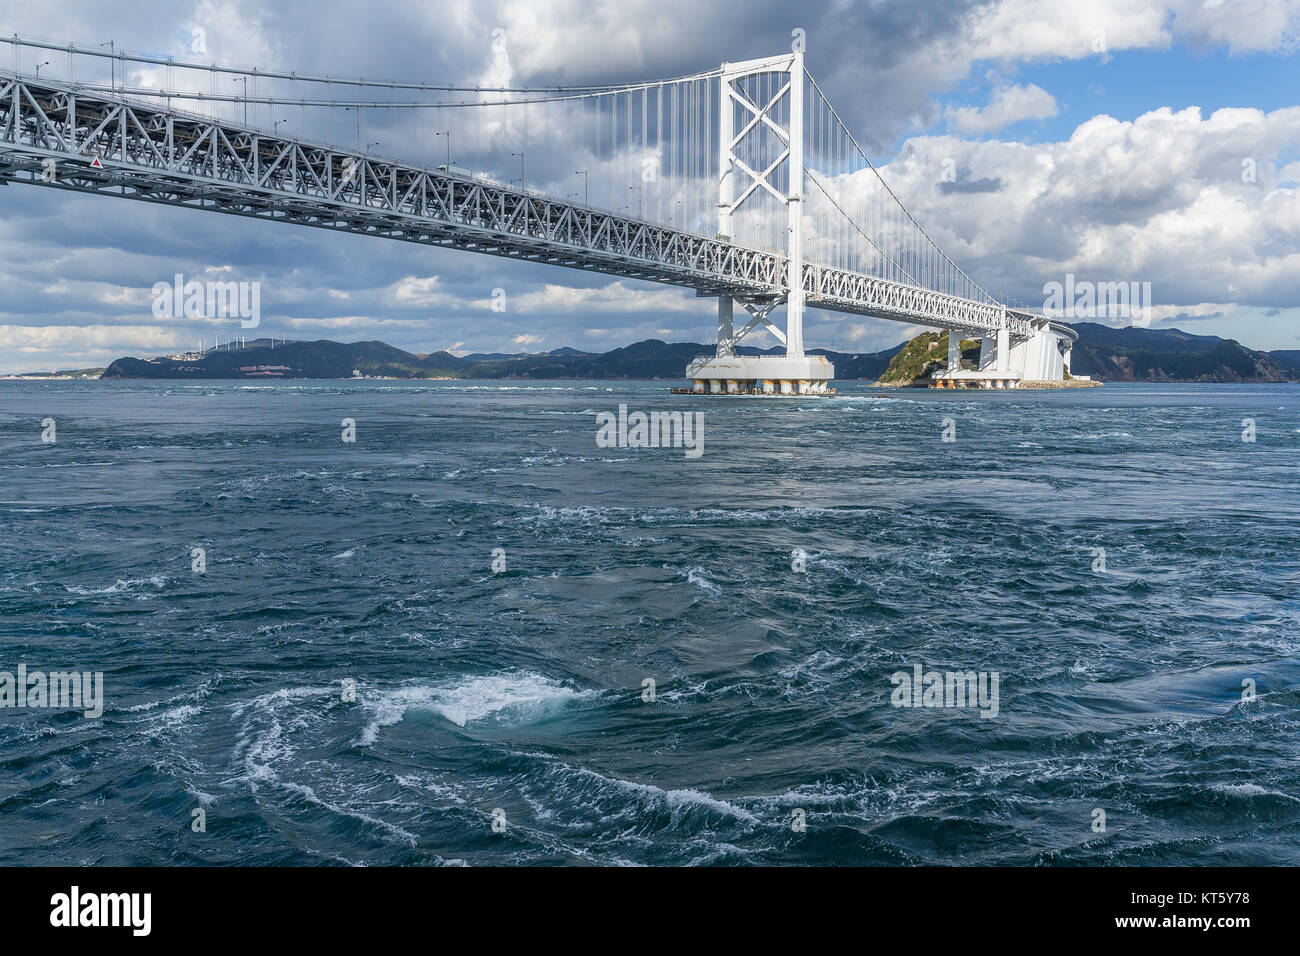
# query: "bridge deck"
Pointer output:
{"type": "Point", "coordinates": [60, 135]}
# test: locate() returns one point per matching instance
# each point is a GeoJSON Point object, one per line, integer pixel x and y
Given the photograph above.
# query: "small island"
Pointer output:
{"type": "Point", "coordinates": [916, 366]}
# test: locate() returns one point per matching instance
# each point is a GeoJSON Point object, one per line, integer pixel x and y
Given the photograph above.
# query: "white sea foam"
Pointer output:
{"type": "Point", "coordinates": [480, 697]}
{"type": "Point", "coordinates": [309, 794]}
{"type": "Point", "coordinates": [520, 696]}
{"type": "Point", "coordinates": [121, 586]}
{"type": "Point", "coordinates": [205, 799]}
{"type": "Point", "coordinates": [264, 740]}
{"type": "Point", "coordinates": [172, 719]}
{"type": "Point", "coordinates": [696, 576]}
{"type": "Point", "coordinates": [1250, 790]}
{"type": "Point", "coordinates": [679, 516]}
{"type": "Point", "coordinates": [202, 690]}
{"type": "Point", "coordinates": [676, 800]}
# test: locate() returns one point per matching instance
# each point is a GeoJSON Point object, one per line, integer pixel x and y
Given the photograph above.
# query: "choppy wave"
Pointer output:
{"type": "Point", "coordinates": [513, 697]}
{"type": "Point", "coordinates": [474, 609]}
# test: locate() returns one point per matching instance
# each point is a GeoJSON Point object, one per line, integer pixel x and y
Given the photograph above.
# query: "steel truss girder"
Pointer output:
{"type": "Point", "coordinates": [173, 158]}
{"type": "Point", "coordinates": [164, 156]}
{"type": "Point", "coordinates": [843, 291]}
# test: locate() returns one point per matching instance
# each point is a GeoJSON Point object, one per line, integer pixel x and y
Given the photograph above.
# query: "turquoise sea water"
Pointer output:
{"type": "Point", "coordinates": [524, 690]}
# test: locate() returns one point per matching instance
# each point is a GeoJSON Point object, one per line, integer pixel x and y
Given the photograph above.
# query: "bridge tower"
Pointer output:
{"type": "Point", "coordinates": [738, 183]}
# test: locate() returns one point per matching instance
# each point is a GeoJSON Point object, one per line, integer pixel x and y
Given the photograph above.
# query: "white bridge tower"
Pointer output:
{"type": "Point", "coordinates": [795, 372]}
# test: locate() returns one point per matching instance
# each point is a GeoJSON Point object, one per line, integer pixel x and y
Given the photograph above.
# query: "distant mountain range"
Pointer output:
{"type": "Point", "coordinates": [650, 359]}
{"type": "Point", "coordinates": [1109, 354]}
{"type": "Point", "coordinates": [1171, 355]}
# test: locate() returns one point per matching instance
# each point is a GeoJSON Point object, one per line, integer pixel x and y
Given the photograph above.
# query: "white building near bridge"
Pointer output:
{"type": "Point", "coordinates": [1006, 362]}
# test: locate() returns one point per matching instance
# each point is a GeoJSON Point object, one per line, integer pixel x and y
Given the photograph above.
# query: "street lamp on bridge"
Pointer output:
{"type": "Point", "coordinates": [523, 172]}
{"type": "Point", "coordinates": [244, 80]}
{"type": "Point", "coordinates": [112, 64]}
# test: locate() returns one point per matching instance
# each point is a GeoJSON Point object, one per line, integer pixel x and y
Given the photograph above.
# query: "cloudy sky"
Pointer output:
{"type": "Point", "coordinates": [1142, 141]}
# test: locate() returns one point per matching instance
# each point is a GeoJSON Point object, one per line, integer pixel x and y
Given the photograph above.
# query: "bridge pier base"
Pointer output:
{"type": "Point", "coordinates": [763, 375]}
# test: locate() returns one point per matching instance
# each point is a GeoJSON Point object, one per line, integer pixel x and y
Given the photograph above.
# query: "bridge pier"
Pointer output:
{"type": "Point", "coordinates": [770, 375]}
{"type": "Point", "coordinates": [725, 332]}
{"type": "Point", "coordinates": [1039, 356]}
{"type": "Point", "coordinates": [988, 353]}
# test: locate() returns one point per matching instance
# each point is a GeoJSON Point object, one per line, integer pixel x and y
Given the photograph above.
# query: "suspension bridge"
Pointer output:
{"type": "Point", "coordinates": [749, 188]}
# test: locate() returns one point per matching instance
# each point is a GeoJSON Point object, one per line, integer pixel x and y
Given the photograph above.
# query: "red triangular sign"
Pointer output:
{"type": "Point", "coordinates": [96, 164]}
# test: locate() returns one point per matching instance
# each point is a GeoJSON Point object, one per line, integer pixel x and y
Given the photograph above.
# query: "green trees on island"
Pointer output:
{"type": "Point", "coordinates": [926, 353]}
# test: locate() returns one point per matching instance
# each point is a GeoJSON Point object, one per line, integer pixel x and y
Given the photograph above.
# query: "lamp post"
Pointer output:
{"type": "Point", "coordinates": [523, 171]}
{"type": "Point", "coordinates": [112, 63]}
{"type": "Point", "coordinates": [585, 194]}
{"type": "Point", "coordinates": [357, 109]}
{"type": "Point", "coordinates": [446, 133]}
{"type": "Point", "coordinates": [244, 80]}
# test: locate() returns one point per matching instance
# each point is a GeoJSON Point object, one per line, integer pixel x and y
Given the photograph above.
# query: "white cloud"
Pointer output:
{"type": "Point", "coordinates": [1008, 105]}
{"type": "Point", "coordinates": [42, 337]}
{"type": "Point", "coordinates": [42, 348]}
{"type": "Point", "coordinates": [423, 292]}
{"type": "Point", "coordinates": [1244, 26]}
{"type": "Point", "coordinates": [362, 324]}
{"type": "Point", "coordinates": [618, 295]}
{"type": "Point", "coordinates": [1026, 30]}
{"type": "Point", "coordinates": [1158, 199]}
